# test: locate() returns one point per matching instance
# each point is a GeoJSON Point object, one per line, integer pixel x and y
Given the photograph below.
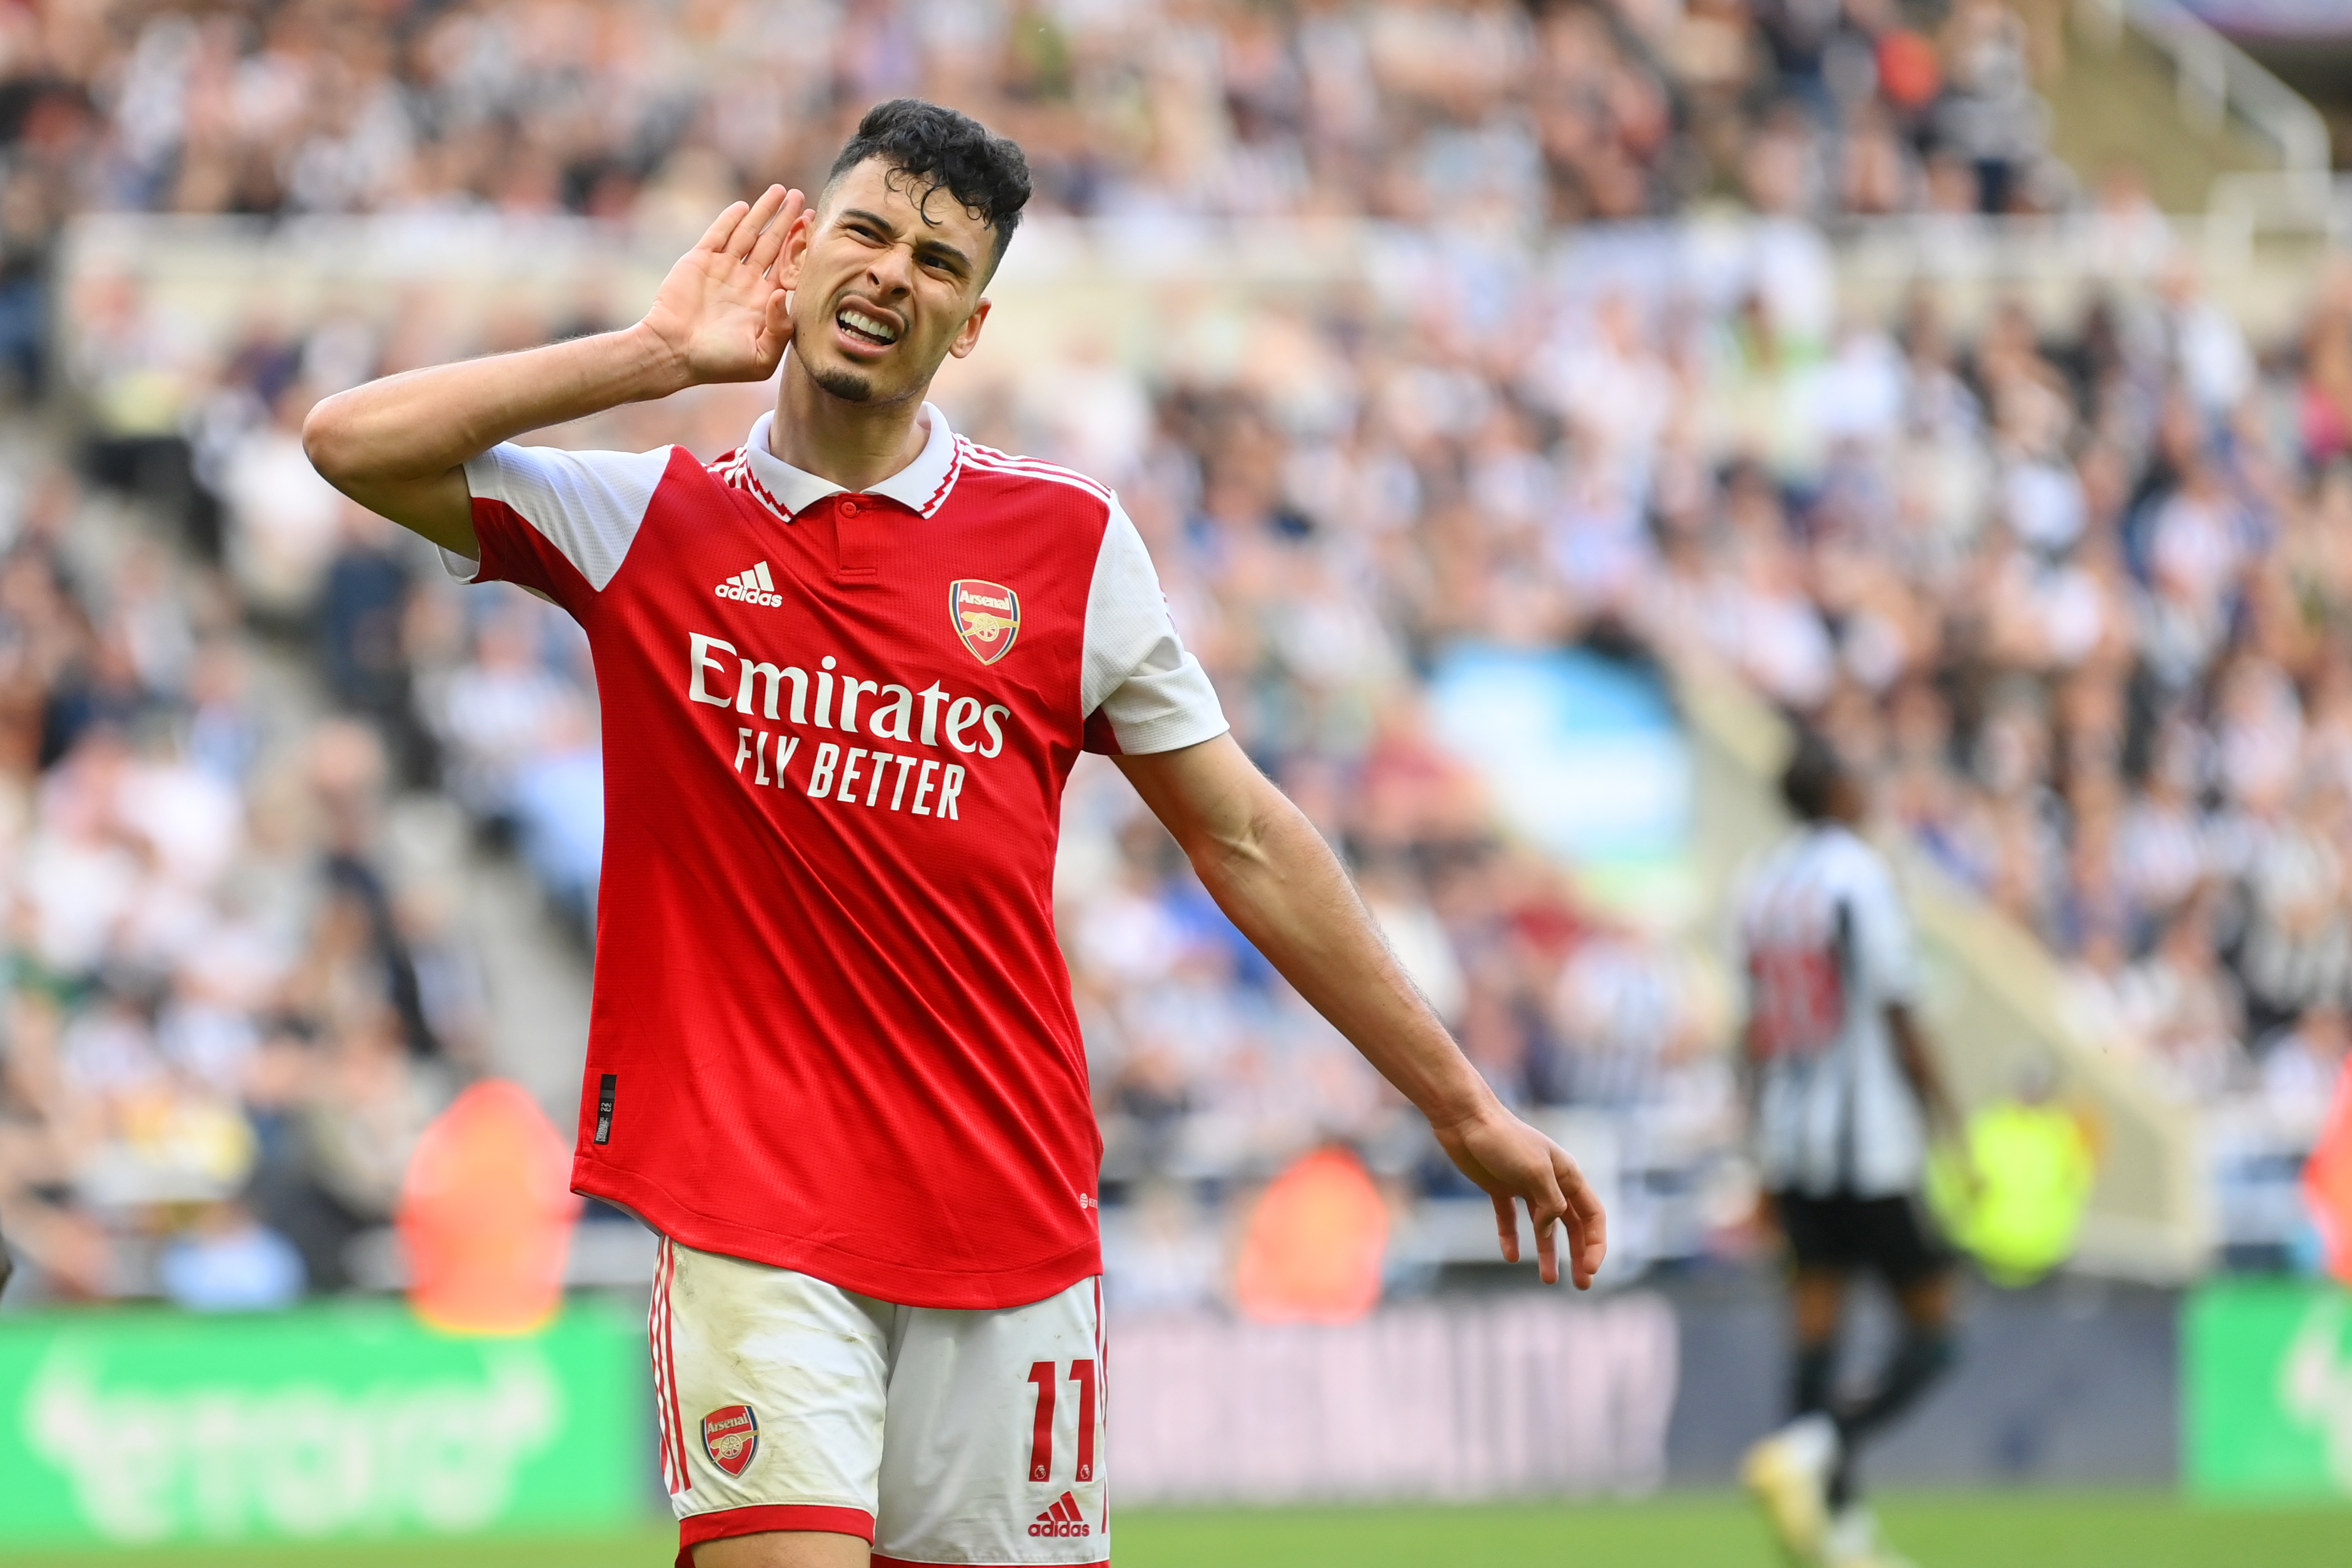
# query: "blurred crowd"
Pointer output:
{"type": "Point", "coordinates": [2074, 588]}
{"type": "Point", "coordinates": [1520, 111]}
{"type": "Point", "coordinates": [225, 1019]}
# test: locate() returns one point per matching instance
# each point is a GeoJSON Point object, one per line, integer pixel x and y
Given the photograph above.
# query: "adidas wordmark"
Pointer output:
{"type": "Point", "coordinates": [1062, 1519]}
{"type": "Point", "coordinates": [752, 588]}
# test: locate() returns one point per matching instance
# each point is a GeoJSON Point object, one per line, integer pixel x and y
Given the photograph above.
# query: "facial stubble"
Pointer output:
{"type": "Point", "coordinates": [847, 385]}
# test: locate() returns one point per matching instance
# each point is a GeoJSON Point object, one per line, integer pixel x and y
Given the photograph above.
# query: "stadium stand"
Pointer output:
{"type": "Point", "coordinates": [1570, 111]}
{"type": "Point", "coordinates": [2073, 587]}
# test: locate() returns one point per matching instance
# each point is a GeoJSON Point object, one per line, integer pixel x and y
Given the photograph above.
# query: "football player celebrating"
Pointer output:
{"type": "Point", "coordinates": [845, 671]}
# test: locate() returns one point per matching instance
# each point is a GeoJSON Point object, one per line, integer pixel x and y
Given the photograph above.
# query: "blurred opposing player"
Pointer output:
{"type": "Point", "coordinates": [845, 671]}
{"type": "Point", "coordinates": [1841, 1095]}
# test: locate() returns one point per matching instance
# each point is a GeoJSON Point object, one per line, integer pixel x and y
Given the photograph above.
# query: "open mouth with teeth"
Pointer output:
{"type": "Point", "coordinates": [865, 329]}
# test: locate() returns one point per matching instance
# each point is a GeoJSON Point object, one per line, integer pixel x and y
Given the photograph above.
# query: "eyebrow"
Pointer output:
{"type": "Point", "coordinates": [926, 249]}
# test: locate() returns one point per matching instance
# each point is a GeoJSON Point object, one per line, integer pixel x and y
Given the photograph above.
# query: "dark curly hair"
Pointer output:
{"type": "Point", "coordinates": [1810, 781]}
{"type": "Point", "coordinates": [939, 149]}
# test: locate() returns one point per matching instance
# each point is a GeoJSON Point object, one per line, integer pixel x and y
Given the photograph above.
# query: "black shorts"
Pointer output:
{"type": "Point", "coordinates": [1892, 1238]}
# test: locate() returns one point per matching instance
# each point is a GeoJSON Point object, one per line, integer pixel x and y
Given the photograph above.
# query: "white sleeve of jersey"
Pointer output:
{"type": "Point", "coordinates": [1154, 694]}
{"type": "Point", "coordinates": [588, 505]}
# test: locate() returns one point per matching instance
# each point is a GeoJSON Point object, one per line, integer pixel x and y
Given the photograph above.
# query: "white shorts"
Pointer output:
{"type": "Point", "coordinates": [940, 1436]}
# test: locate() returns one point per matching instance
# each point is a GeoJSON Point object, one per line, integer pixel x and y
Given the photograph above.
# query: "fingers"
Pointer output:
{"type": "Point", "coordinates": [1546, 1207]}
{"type": "Point", "coordinates": [1507, 1226]}
{"type": "Point", "coordinates": [714, 236]}
{"type": "Point", "coordinates": [1587, 1222]}
{"type": "Point", "coordinates": [771, 238]}
{"type": "Point", "coordinates": [755, 219]}
{"type": "Point", "coordinates": [1524, 1166]}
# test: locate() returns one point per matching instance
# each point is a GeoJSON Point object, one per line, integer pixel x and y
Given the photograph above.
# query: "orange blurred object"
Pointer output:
{"type": "Point", "coordinates": [1313, 1250]}
{"type": "Point", "coordinates": [1908, 72]}
{"type": "Point", "coordinates": [2328, 1179]}
{"type": "Point", "coordinates": [486, 1215]}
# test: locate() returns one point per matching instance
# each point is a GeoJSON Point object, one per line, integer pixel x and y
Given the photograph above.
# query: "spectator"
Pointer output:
{"type": "Point", "coordinates": [364, 606]}
{"type": "Point", "coordinates": [228, 1262]}
{"type": "Point", "coordinates": [283, 519]}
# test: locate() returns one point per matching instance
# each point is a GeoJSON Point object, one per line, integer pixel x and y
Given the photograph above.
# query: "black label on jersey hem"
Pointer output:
{"type": "Point", "coordinates": [605, 1095]}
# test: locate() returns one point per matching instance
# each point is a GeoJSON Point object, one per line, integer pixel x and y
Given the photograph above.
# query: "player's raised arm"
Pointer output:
{"type": "Point", "coordinates": [1272, 873]}
{"type": "Point", "coordinates": [397, 446]}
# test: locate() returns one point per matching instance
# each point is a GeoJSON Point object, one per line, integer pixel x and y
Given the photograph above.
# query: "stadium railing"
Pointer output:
{"type": "Point", "coordinates": [1104, 280]}
{"type": "Point", "coordinates": [2215, 79]}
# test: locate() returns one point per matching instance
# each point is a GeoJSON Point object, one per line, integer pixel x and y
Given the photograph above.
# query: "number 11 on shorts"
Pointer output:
{"type": "Point", "coordinates": [1040, 1433]}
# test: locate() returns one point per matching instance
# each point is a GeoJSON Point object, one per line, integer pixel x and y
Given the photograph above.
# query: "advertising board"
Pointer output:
{"type": "Point", "coordinates": [142, 1425]}
{"type": "Point", "coordinates": [2268, 1389]}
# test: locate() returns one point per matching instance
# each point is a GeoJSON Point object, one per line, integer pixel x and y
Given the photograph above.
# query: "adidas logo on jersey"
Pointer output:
{"type": "Point", "coordinates": [1062, 1519]}
{"type": "Point", "coordinates": [752, 588]}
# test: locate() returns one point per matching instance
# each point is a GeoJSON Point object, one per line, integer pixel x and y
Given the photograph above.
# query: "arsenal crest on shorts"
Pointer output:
{"type": "Point", "coordinates": [731, 1436]}
{"type": "Point", "coordinates": [987, 617]}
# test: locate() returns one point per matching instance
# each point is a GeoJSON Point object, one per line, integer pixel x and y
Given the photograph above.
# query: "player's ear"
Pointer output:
{"type": "Point", "coordinates": [967, 336]}
{"type": "Point", "coordinates": [796, 244]}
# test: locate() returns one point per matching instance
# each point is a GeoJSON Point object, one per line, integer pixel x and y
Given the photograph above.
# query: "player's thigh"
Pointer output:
{"type": "Point", "coordinates": [1817, 1232]}
{"type": "Point", "coordinates": [783, 1548]}
{"type": "Point", "coordinates": [1817, 1302]}
{"type": "Point", "coordinates": [1820, 1259]}
{"type": "Point", "coordinates": [993, 1448]}
{"type": "Point", "coordinates": [771, 1389]}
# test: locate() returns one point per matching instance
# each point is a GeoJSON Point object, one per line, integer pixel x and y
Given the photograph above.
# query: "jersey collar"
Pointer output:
{"type": "Point", "coordinates": [922, 486]}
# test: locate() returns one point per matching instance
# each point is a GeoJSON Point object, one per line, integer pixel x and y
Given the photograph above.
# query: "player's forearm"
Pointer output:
{"type": "Point", "coordinates": [1281, 884]}
{"type": "Point", "coordinates": [422, 424]}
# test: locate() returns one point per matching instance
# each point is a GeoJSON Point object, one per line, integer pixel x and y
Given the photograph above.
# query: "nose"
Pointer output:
{"type": "Point", "coordinates": [893, 272]}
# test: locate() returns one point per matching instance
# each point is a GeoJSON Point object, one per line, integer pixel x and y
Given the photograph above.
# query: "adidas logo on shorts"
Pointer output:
{"type": "Point", "coordinates": [752, 588]}
{"type": "Point", "coordinates": [1062, 1519]}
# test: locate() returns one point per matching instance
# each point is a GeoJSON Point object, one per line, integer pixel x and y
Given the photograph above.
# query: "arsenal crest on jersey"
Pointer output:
{"type": "Point", "coordinates": [987, 617]}
{"type": "Point", "coordinates": [731, 1436]}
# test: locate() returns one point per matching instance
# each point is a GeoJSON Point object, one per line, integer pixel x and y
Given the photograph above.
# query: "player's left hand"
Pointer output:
{"type": "Point", "coordinates": [1513, 1163]}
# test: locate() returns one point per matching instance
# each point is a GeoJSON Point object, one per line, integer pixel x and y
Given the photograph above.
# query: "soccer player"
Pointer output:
{"type": "Point", "coordinates": [833, 1057]}
{"type": "Point", "coordinates": [1841, 1095]}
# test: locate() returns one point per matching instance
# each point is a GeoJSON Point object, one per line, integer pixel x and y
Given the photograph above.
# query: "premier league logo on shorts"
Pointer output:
{"type": "Point", "coordinates": [987, 617]}
{"type": "Point", "coordinates": [731, 1436]}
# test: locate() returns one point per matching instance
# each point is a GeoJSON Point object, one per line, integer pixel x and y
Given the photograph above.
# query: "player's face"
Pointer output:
{"type": "Point", "coordinates": [885, 283]}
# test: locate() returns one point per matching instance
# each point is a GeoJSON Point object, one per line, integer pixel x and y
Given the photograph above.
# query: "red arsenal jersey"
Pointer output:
{"type": "Point", "coordinates": [832, 1028]}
